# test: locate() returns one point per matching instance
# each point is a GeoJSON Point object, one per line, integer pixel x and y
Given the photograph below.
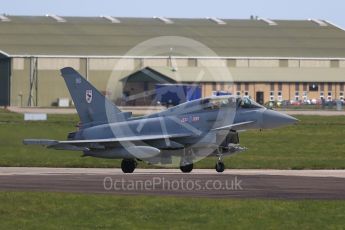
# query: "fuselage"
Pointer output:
{"type": "Point", "coordinates": [198, 119]}
{"type": "Point", "coordinates": [191, 131]}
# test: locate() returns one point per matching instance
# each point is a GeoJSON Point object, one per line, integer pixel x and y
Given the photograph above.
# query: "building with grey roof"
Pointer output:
{"type": "Point", "coordinates": [262, 58]}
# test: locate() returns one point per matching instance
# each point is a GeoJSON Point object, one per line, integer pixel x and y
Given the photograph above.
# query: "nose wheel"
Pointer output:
{"type": "Point", "coordinates": [220, 167]}
{"type": "Point", "coordinates": [128, 165]}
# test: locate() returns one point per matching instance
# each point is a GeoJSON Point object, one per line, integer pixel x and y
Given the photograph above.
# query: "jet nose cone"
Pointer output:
{"type": "Point", "coordinates": [272, 119]}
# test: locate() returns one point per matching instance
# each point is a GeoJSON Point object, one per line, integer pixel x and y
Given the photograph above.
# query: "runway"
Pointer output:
{"type": "Point", "coordinates": [266, 184]}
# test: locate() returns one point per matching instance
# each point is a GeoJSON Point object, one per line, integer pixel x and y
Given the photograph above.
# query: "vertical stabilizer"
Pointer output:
{"type": "Point", "coordinates": [92, 107]}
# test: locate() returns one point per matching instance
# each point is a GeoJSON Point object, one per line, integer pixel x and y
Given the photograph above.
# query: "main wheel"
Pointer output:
{"type": "Point", "coordinates": [220, 167]}
{"type": "Point", "coordinates": [186, 168]}
{"type": "Point", "coordinates": [128, 166]}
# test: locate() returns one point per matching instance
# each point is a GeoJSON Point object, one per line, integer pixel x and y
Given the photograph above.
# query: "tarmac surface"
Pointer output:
{"type": "Point", "coordinates": [266, 184]}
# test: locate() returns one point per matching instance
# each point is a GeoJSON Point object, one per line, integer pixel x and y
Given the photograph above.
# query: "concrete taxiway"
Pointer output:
{"type": "Point", "coordinates": [270, 184]}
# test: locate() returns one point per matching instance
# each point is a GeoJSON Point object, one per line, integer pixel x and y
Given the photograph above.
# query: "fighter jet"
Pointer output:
{"type": "Point", "coordinates": [206, 127]}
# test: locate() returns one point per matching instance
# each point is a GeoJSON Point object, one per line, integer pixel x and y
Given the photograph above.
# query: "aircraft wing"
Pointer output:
{"type": "Point", "coordinates": [84, 145]}
{"type": "Point", "coordinates": [233, 126]}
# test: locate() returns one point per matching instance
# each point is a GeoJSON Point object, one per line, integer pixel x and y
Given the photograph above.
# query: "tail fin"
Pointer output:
{"type": "Point", "coordinates": [92, 107]}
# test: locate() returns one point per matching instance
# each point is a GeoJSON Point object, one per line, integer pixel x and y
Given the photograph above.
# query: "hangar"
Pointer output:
{"type": "Point", "coordinates": [268, 59]}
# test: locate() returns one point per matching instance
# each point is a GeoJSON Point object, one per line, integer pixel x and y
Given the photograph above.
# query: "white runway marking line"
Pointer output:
{"type": "Point", "coordinates": [110, 171]}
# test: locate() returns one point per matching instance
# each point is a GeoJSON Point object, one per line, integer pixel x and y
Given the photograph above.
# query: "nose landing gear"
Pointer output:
{"type": "Point", "coordinates": [220, 167]}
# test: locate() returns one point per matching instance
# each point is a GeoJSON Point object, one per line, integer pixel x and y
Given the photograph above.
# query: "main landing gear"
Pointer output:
{"type": "Point", "coordinates": [128, 165]}
{"type": "Point", "coordinates": [186, 168]}
{"type": "Point", "coordinates": [186, 164]}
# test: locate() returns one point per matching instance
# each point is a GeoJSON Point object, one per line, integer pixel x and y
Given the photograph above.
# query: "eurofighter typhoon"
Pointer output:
{"type": "Point", "coordinates": [191, 131]}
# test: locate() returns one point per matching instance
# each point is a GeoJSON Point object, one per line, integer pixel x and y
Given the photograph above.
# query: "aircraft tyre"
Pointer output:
{"type": "Point", "coordinates": [186, 168]}
{"type": "Point", "coordinates": [220, 167]}
{"type": "Point", "coordinates": [128, 165]}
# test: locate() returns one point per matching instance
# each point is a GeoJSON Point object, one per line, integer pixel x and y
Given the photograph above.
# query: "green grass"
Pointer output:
{"type": "Point", "coordinates": [20, 210]}
{"type": "Point", "coordinates": [316, 142]}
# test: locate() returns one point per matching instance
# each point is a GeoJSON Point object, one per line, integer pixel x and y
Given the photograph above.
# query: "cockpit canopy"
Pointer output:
{"type": "Point", "coordinates": [229, 101]}
{"type": "Point", "coordinates": [247, 103]}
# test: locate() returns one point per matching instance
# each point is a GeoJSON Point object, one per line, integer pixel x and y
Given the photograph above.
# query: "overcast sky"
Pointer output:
{"type": "Point", "coordinates": [333, 10]}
